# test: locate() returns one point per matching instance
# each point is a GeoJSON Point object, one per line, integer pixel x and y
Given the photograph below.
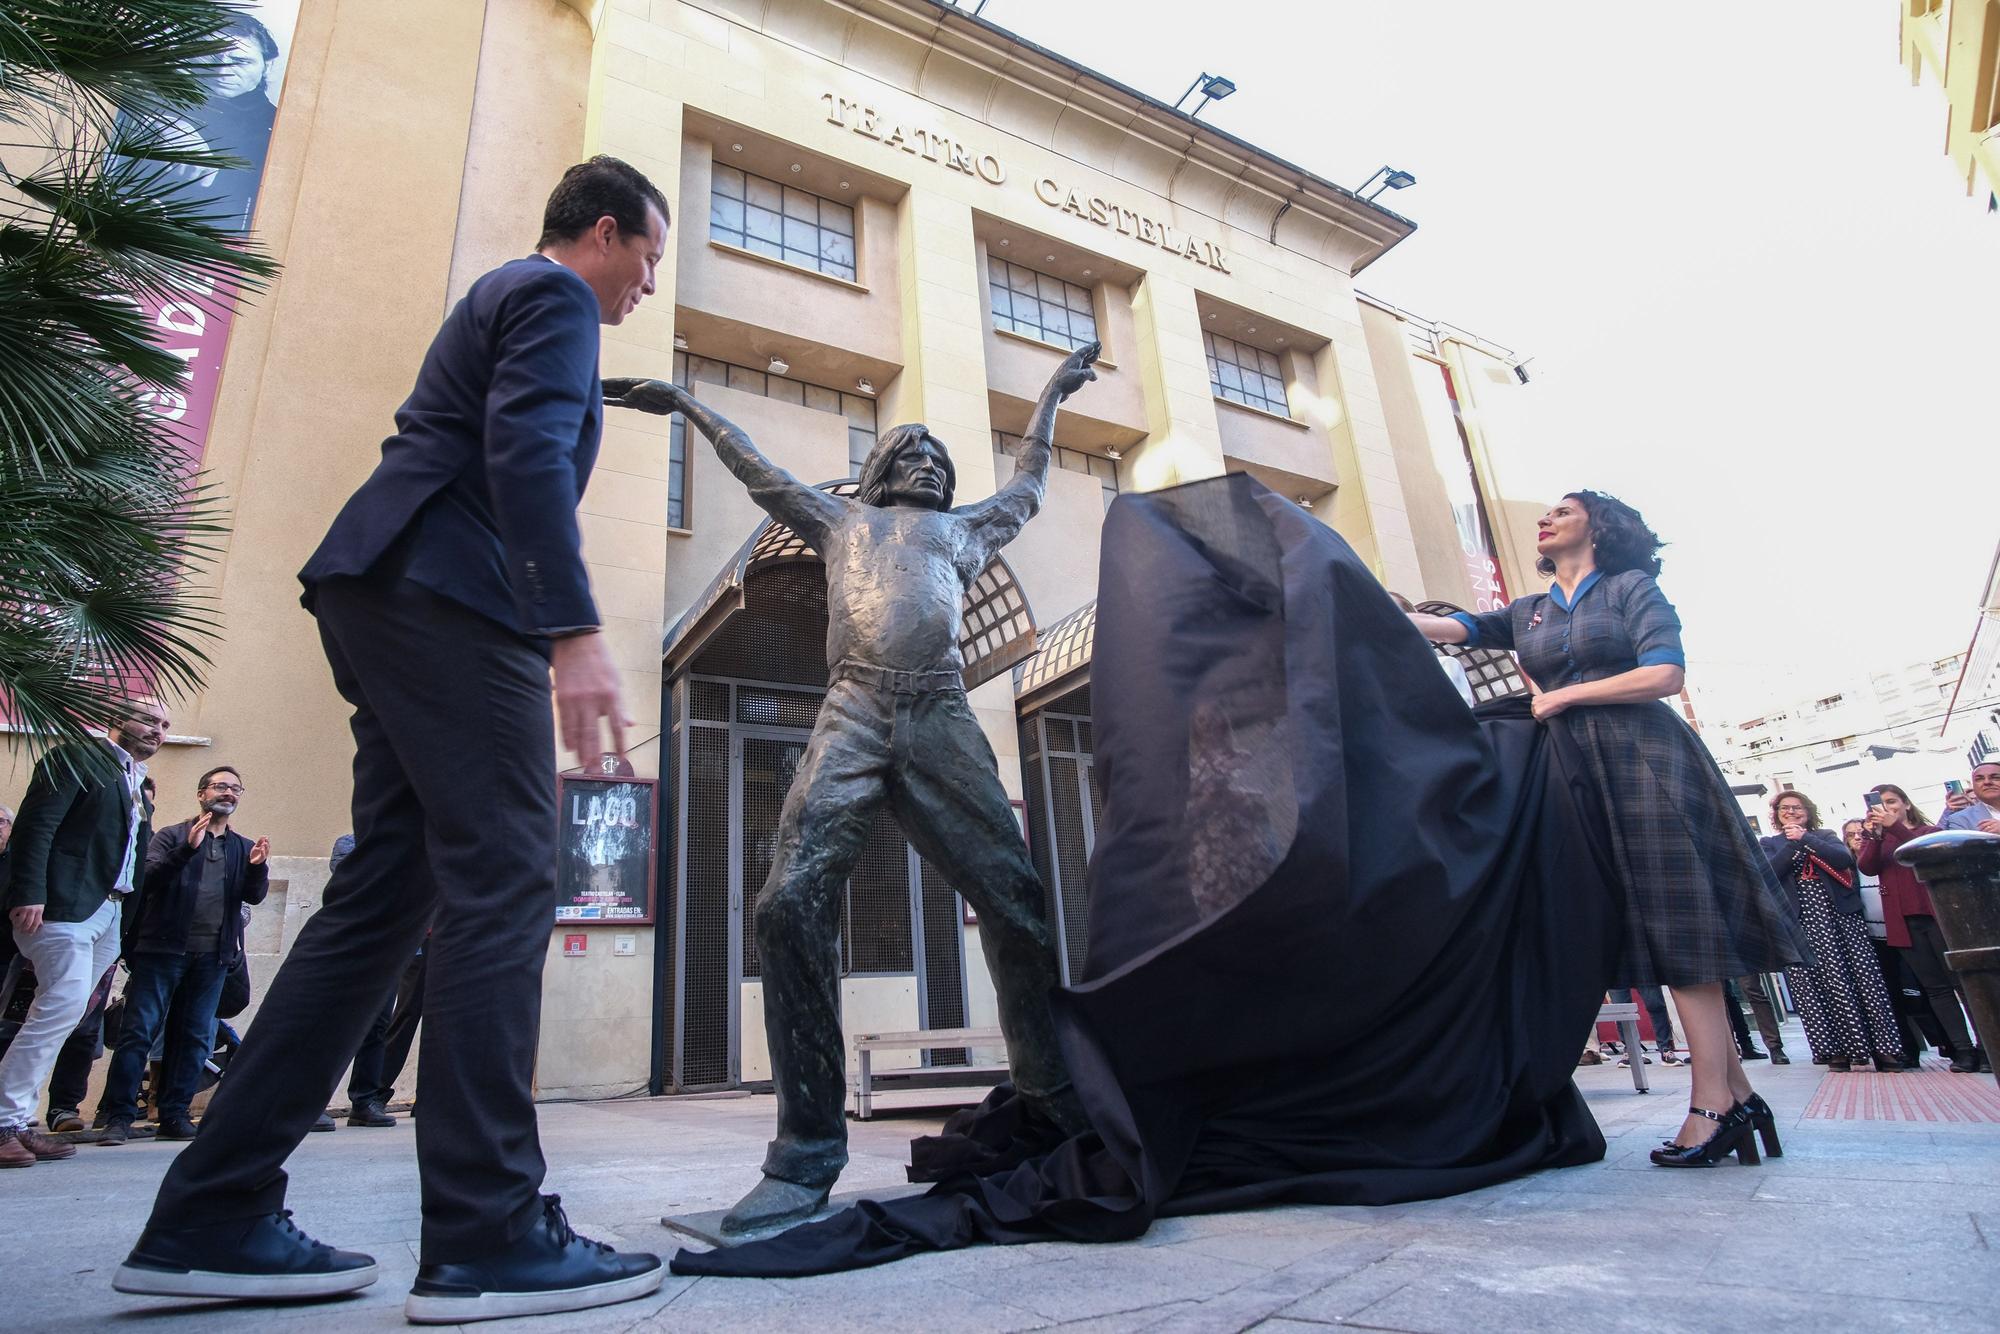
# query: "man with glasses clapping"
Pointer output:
{"type": "Point", "coordinates": [187, 938]}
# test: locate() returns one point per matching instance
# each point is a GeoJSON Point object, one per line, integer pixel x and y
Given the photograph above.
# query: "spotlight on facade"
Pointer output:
{"type": "Point", "coordinates": [1213, 88]}
{"type": "Point", "coordinates": [864, 385]}
{"type": "Point", "coordinates": [680, 342]}
{"type": "Point", "coordinates": [1113, 455]}
{"type": "Point", "coordinates": [1305, 502]}
{"type": "Point", "coordinates": [1521, 371]}
{"type": "Point", "coordinates": [1391, 179]}
{"type": "Point", "coordinates": [778, 366]}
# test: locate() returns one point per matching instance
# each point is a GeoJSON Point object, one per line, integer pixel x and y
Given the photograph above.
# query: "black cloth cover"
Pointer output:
{"type": "Point", "coordinates": [1346, 940]}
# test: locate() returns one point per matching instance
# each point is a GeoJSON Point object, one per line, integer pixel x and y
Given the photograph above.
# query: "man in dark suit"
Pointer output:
{"type": "Point", "coordinates": [447, 588]}
{"type": "Point", "coordinates": [73, 858]}
{"type": "Point", "coordinates": [187, 939]}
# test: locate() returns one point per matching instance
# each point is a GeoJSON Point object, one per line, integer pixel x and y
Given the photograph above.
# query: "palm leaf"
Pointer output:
{"type": "Point", "coordinates": [104, 533]}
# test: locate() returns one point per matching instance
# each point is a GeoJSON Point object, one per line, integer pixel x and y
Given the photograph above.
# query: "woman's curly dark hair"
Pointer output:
{"type": "Point", "coordinates": [1619, 536]}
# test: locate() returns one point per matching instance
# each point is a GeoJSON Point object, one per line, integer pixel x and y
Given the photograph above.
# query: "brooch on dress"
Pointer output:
{"type": "Point", "coordinates": [1534, 620]}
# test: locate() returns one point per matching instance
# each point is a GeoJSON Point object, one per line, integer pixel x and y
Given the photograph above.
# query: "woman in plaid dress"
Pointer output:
{"type": "Point", "coordinates": [1603, 649]}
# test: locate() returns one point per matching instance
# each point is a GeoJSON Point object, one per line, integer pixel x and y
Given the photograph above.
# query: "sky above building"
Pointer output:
{"type": "Point", "coordinates": [1759, 306]}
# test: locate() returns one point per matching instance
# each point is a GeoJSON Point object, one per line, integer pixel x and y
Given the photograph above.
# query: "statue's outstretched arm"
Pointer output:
{"type": "Point", "coordinates": [1007, 511]}
{"type": "Point", "coordinates": [807, 510]}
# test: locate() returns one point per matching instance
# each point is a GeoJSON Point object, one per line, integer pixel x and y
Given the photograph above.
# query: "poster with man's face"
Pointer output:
{"type": "Point", "coordinates": [236, 118]}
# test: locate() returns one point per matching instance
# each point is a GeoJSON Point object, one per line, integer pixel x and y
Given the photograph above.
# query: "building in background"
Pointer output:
{"type": "Point", "coordinates": [1956, 44]}
{"type": "Point", "coordinates": [884, 211]}
{"type": "Point", "coordinates": [1862, 728]}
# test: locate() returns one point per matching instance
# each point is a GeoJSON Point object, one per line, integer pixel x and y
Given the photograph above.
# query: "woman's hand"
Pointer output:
{"type": "Point", "coordinates": [1550, 703]}
{"type": "Point", "coordinates": [1878, 819]}
{"type": "Point", "coordinates": [1795, 832]}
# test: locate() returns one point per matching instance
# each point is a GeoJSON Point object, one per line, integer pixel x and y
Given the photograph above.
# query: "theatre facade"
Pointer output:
{"type": "Point", "coordinates": [884, 211]}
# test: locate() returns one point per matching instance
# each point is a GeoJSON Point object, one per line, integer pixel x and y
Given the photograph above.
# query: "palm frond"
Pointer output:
{"type": "Point", "coordinates": [104, 531]}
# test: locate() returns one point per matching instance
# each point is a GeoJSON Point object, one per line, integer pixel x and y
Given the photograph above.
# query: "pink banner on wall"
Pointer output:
{"type": "Point", "coordinates": [236, 118]}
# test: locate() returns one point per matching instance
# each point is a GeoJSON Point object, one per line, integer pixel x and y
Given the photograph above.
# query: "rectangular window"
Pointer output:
{"type": "Point", "coordinates": [1006, 448]}
{"type": "Point", "coordinates": [766, 218]}
{"type": "Point", "coordinates": [1245, 374]}
{"type": "Point", "coordinates": [690, 370]}
{"type": "Point", "coordinates": [1040, 307]}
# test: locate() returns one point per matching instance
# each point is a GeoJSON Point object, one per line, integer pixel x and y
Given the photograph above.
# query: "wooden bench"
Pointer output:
{"type": "Point", "coordinates": [866, 1085]}
{"type": "Point", "coordinates": [1627, 1018]}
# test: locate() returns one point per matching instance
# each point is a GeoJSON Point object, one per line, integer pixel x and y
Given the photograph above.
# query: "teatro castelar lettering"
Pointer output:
{"type": "Point", "coordinates": [952, 155]}
{"type": "Point", "coordinates": [1131, 223]}
{"type": "Point", "coordinates": [914, 140]}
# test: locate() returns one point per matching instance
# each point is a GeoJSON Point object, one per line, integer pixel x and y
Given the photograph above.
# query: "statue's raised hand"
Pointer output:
{"type": "Point", "coordinates": [656, 396]}
{"type": "Point", "coordinates": [1075, 372]}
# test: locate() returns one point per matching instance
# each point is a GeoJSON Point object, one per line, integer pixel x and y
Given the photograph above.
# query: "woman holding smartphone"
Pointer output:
{"type": "Point", "coordinates": [1603, 648]}
{"type": "Point", "coordinates": [1841, 995]}
{"type": "Point", "coordinates": [1907, 912]}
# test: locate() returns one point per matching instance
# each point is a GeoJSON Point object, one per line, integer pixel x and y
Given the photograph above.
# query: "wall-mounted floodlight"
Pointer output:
{"type": "Point", "coordinates": [1391, 179]}
{"type": "Point", "coordinates": [1213, 88]}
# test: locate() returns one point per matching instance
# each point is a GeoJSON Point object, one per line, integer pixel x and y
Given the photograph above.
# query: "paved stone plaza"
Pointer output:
{"type": "Point", "coordinates": [1865, 1224]}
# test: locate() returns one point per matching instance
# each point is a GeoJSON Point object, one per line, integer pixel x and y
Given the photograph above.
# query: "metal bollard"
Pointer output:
{"type": "Point", "coordinates": [1961, 869]}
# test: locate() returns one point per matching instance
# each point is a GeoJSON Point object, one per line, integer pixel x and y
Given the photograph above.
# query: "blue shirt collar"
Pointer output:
{"type": "Point", "coordinates": [1589, 582]}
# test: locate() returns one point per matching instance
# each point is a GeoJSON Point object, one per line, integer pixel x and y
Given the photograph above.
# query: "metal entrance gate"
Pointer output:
{"type": "Point", "coordinates": [1065, 812]}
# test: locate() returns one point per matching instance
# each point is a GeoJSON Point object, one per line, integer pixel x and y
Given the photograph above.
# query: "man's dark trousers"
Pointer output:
{"type": "Point", "coordinates": [174, 994]}
{"type": "Point", "coordinates": [454, 818]}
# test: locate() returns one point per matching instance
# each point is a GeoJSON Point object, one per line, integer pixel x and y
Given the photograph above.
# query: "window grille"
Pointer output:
{"type": "Point", "coordinates": [780, 222]}
{"type": "Point", "coordinates": [1244, 374]}
{"type": "Point", "coordinates": [1036, 305]}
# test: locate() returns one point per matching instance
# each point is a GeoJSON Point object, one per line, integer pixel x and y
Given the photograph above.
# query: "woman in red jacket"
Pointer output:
{"type": "Point", "coordinates": [1912, 920]}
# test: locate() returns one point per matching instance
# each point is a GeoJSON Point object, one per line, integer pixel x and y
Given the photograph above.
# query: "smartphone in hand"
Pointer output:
{"type": "Point", "coordinates": [1873, 799]}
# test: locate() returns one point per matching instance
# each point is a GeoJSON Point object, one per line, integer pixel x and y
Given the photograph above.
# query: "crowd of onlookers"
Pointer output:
{"type": "Point", "coordinates": [1878, 990]}
{"type": "Point", "coordinates": [92, 888]}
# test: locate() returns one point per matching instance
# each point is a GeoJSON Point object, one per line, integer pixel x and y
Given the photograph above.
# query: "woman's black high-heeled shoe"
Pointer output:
{"type": "Point", "coordinates": [1766, 1123]}
{"type": "Point", "coordinates": [1734, 1133]}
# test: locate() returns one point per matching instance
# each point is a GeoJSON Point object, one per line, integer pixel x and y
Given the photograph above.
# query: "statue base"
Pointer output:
{"type": "Point", "coordinates": [706, 1228]}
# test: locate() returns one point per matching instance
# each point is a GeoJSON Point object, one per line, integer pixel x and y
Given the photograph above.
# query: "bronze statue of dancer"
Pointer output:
{"type": "Point", "coordinates": [894, 727]}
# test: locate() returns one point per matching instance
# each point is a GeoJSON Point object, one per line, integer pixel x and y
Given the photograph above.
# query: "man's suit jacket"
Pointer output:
{"type": "Point", "coordinates": [69, 838]}
{"type": "Point", "coordinates": [166, 902]}
{"type": "Point", "coordinates": [475, 497]}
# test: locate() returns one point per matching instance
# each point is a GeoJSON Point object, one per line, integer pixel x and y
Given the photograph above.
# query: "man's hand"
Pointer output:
{"type": "Point", "coordinates": [1989, 826]}
{"type": "Point", "coordinates": [27, 920]}
{"type": "Point", "coordinates": [1073, 374]}
{"type": "Point", "coordinates": [260, 850]}
{"type": "Point", "coordinates": [659, 397]}
{"type": "Point", "coordinates": [198, 829]}
{"type": "Point", "coordinates": [586, 695]}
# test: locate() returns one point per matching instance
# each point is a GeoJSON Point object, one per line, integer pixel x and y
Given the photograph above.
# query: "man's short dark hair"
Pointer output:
{"type": "Point", "coordinates": [597, 188]}
{"type": "Point", "coordinates": [202, 785]}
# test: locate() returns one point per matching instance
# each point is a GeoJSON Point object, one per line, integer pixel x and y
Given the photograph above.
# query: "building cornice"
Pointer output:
{"type": "Point", "coordinates": [1206, 170]}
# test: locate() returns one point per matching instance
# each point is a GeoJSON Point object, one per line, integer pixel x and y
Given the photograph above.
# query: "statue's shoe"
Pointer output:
{"type": "Point", "coordinates": [774, 1203]}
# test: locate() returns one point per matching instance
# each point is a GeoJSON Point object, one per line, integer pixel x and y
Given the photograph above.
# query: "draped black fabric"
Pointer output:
{"type": "Point", "coordinates": [1346, 940]}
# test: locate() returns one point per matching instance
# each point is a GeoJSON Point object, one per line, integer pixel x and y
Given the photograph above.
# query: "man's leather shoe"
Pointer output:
{"type": "Point", "coordinates": [64, 1120]}
{"type": "Point", "coordinates": [1779, 1058]}
{"type": "Point", "coordinates": [324, 1124]}
{"type": "Point", "coordinates": [25, 1148]}
{"type": "Point", "coordinates": [116, 1131]}
{"type": "Point", "coordinates": [176, 1127]}
{"type": "Point", "coordinates": [266, 1257]}
{"type": "Point", "coordinates": [1752, 1054]}
{"type": "Point", "coordinates": [547, 1269]}
{"type": "Point", "coordinates": [369, 1114]}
